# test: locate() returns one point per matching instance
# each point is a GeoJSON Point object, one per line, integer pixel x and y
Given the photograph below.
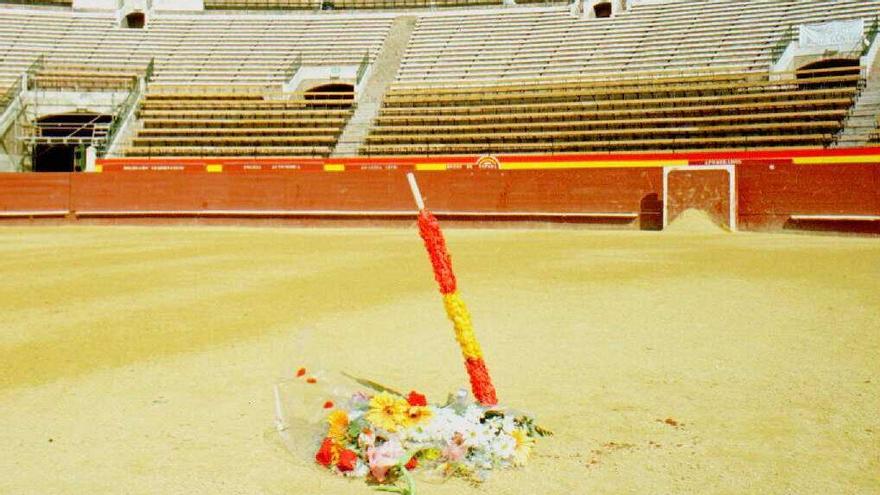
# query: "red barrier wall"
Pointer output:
{"type": "Point", "coordinates": [34, 192]}
{"type": "Point", "coordinates": [771, 186]}
{"type": "Point", "coordinates": [769, 194]}
{"type": "Point", "coordinates": [549, 191]}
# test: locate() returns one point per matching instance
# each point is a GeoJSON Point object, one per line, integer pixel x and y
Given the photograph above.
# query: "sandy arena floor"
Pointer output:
{"type": "Point", "coordinates": [141, 360]}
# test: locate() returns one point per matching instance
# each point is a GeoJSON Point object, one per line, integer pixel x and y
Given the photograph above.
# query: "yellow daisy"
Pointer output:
{"type": "Point", "coordinates": [523, 447]}
{"type": "Point", "coordinates": [415, 415]}
{"type": "Point", "coordinates": [387, 411]}
{"type": "Point", "coordinates": [338, 421]}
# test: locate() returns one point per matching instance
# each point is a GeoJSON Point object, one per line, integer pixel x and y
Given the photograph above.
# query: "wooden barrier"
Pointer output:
{"type": "Point", "coordinates": [774, 190]}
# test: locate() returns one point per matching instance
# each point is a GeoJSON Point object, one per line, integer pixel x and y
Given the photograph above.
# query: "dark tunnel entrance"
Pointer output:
{"type": "Point", "coordinates": [58, 137]}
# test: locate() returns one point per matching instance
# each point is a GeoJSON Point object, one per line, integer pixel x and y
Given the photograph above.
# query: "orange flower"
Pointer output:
{"type": "Point", "coordinates": [338, 421]}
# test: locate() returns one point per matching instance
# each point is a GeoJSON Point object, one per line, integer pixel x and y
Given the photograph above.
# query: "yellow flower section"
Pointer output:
{"type": "Point", "coordinates": [415, 415]}
{"type": "Point", "coordinates": [387, 411]}
{"type": "Point", "coordinates": [464, 329]}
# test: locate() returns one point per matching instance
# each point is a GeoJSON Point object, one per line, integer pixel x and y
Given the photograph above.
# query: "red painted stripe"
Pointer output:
{"type": "Point", "coordinates": [406, 163]}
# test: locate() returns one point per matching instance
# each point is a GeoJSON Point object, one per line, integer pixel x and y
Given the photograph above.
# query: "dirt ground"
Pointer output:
{"type": "Point", "coordinates": [142, 360]}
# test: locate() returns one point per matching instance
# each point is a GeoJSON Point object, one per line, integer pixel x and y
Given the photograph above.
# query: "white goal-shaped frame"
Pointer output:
{"type": "Point", "coordinates": [731, 189]}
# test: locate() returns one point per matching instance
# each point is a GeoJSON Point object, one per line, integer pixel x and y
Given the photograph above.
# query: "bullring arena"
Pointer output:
{"type": "Point", "coordinates": [663, 216]}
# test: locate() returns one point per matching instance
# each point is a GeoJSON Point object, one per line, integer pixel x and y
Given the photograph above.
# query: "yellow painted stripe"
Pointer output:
{"type": "Point", "coordinates": [334, 167]}
{"type": "Point", "coordinates": [464, 329]}
{"type": "Point", "coordinates": [214, 168]}
{"type": "Point", "coordinates": [591, 164]}
{"type": "Point", "coordinates": [433, 167]}
{"type": "Point", "coordinates": [822, 160]}
{"type": "Point", "coordinates": [99, 168]}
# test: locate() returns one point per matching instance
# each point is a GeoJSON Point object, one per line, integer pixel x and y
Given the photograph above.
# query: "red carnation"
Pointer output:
{"type": "Point", "coordinates": [328, 404]}
{"type": "Point", "coordinates": [412, 463]}
{"type": "Point", "coordinates": [300, 372]}
{"type": "Point", "coordinates": [416, 399]}
{"type": "Point", "coordinates": [324, 456]}
{"type": "Point", "coordinates": [347, 460]}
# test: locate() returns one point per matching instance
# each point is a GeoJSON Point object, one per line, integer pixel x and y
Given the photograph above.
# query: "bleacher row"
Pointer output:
{"type": "Point", "coordinates": [734, 35]}
{"type": "Point", "coordinates": [203, 49]}
{"type": "Point", "coordinates": [710, 111]}
{"type": "Point", "coordinates": [313, 4]}
{"type": "Point", "coordinates": [216, 121]}
{"type": "Point", "coordinates": [350, 4]}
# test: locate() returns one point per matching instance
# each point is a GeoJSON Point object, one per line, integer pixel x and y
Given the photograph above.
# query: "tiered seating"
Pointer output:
{"type": "Point", "coordinates": [262, 4]}
{"type": "Point", "coordinates": [205, 48]}
{"type": "Point", "coordinates": [60, 3]}
{"type": "Point", "coordinates": [700, 111]}
{"type": "Point", "coordinates": [546, 42]}
{"type": "Point", "coordinates": [350, 4]}
{"type": "Point", "coordinates": [82, 78]}
{"type": "Point", "coordinates": [245, 122]}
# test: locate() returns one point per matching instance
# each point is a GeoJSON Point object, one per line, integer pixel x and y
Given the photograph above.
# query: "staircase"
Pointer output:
{"type": "Point", "coordinates": [861, 123]}
{"type": "Point", "coordinates": [369, 102]}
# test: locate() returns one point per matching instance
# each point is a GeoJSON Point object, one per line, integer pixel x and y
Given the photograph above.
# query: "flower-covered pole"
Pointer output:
{"type": "Point", "coordinates": [456, 310]}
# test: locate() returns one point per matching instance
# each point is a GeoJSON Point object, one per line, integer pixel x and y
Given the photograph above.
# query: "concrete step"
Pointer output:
{"type": "Point", "coordinates": [384, 71]}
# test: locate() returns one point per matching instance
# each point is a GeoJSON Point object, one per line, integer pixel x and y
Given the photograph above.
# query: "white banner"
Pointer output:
{"type": "Point", "coordinates": [842, 35]}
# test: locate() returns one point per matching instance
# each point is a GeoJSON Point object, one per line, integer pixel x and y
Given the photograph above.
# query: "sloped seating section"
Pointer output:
{"type": "Point", "coordinates": [219, 49]}
{"type": "Point", "coordinates": [352, 4]}
{"type": "Point", "coordinates": [734, 110]}
{"type": "Point", "coordinates": [672, 36]}
{"type": "Point", "coordinates": [83, 78]}
{"type": "Point", "coordinates": [244, 122]}
{"type": "Point", "coordinates": [59, 3]}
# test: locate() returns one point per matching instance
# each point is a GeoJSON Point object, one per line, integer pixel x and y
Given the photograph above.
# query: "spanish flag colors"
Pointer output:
{"type": "Point", "coordinates": [456, 310]}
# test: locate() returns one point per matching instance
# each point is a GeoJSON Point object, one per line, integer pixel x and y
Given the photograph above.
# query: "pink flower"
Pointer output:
{"type": "Point", "coordinates": [384, 457]}
{"type": "Point", "coordinates": [454, 451]}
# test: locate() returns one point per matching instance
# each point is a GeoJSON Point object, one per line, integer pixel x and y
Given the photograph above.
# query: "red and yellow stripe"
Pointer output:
{"type": "Point", "coordinates": [456, 310]}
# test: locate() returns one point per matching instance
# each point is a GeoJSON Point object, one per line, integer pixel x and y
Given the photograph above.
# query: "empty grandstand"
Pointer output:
{"type": "Point", "coordinates": [250, 78]}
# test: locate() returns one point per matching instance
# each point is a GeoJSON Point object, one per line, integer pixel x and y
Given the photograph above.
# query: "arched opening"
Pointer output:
{"type": "Point", "coordinates": [59, 136]}
{"type": "Point", "coordinates": [829, 68]}
{"type": "Point", "coordinates": [602, 9]}
{"type": "Point", "coordinates": [335, 95]}
{"type": "Point", "coordinates": [134, 20]}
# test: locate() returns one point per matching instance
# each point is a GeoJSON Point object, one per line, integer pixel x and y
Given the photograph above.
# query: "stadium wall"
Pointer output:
{"type": "Point", "coordinates": [774, 189]}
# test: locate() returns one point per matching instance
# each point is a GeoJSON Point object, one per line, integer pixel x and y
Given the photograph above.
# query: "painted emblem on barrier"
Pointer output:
{"type": "Point", "coordinates": [488, 162]}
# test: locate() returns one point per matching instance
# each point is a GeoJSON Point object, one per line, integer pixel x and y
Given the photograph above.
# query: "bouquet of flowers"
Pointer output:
{"type": "Point", "coordinates": [382, 435]}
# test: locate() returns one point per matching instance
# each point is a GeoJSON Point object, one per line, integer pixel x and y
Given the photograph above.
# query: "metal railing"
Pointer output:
{"type": "Point", "coordinates": [362, 68]}
{"type": "Point", "coordinates": [779, 48]}
{"type": "Point", "coordinates": [294, 67]}
{"type": "Point", "coordinates": [119, 117]}
{"type": "Point", "coordinates": [13, 91]}
{"type": "Point", "coordinates": [148, 72]}
{"type": "Point", "coordinates": [870, 36]}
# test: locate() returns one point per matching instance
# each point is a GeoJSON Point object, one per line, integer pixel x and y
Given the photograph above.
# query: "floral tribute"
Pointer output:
{"type": "Point", "coordinates": [383, 435]}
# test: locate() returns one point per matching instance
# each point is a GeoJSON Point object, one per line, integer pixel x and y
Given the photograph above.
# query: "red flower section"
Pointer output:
{"type": "Point", "coordinates": [328, 404]}
{"type": "Point", "coordinates": [429, 229]}
{"type": "Point", "coordinates": [311, 379]}
{"type": "Point", "coordinates": [324, 456]}
{"type": "Point", "coordinates": [481, 384]}
{"type": "Point", "coordinates": [300, 372]}
{"type": "Point", "coordinates": [347, 460]}
{"type": "Point", "coordinates": [417, 399]}
{"type": "Point", "coordinates": [412, 463]}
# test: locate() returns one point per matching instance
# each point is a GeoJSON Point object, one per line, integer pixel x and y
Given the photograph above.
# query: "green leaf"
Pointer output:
{"type": "Point", "coordinates": [373, 385]}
